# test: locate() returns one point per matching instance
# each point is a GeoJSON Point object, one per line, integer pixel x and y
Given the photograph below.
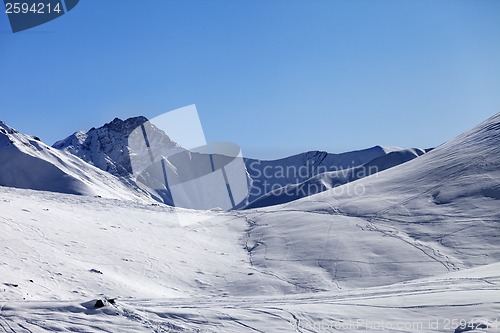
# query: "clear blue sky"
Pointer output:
{"type": "Point", "coordinates": [275, 76]}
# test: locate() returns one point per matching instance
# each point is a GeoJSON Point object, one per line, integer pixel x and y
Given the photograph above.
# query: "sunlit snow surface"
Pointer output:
{"type": "Point", "coordinates": [416, 251]}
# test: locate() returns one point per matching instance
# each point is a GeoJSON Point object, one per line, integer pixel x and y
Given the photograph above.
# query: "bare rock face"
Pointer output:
{"type": "Point", "coordinates": [107, 147]}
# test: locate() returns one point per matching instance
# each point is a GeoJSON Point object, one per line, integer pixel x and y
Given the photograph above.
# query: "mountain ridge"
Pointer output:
{"type": "Point", "coordinates": [26, 162]}
{"type": "Point", "coordinates": [108, 148]}
{"type": "Point", "coordinates": [418, 245]}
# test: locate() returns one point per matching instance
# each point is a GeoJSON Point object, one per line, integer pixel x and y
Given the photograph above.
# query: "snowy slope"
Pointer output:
{"type": "Point", "coordinates": [26, 162]}
{"type": "Point", "coordinates": [407, 250]}
{"type": "Point", "coordinates": [465, 167]}
{"type": "Point", "coordinates": [60, 253]}
{"type": "Point", "coordinates": [327, 180]}
{"type": "Point", "coordinates": [434, 214]}
{"type": "Point", "coordinates": [442, 304]}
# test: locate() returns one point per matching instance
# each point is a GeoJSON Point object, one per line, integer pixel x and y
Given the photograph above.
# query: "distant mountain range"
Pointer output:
{"type": "Point", "coordinates": [97, 162]}
{"type": "Point", "coordinates": [318, 182]}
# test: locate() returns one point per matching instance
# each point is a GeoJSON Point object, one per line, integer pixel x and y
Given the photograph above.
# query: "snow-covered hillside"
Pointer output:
{"type": "Point", "coordinates": [401, 250]}
{"type": "Point", "coordinates": [26, 162]}
{"type": "Point", "coordinates": [268, 176]}
{"type": "Point", "coordinates": [434, 214]}
{"type": "Point", "coordinates": [326, 180]}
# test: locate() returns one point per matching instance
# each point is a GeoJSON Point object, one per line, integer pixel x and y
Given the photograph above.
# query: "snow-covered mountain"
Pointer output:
{"type": "Point", "coordinates": [415, 251]}
{"type": "Point", "coordinates": [322, 181]}
{"type": "Point", "coordinates": [108, 148]}
{"type": "Point", "coordinates": [269, 176]}
{"type": "Point", "coordinates": [434, 214]}
{"type": "Point", "coordinates": [26, 162]}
